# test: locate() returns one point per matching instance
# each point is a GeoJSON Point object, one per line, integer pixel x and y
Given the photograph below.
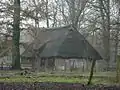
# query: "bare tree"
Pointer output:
{"type": "Point", "coordinates": [75, 9]}
{"type": "Point", "coordinates": [16, 36]}
{"type": "Point", "coordinates": [47, 14]}
{"type": "Point", "coordinates": [105, 17]}
{"type": "Point", "coordinates": [117, 4]}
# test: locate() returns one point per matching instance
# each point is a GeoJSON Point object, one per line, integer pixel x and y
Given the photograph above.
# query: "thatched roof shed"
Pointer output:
{"type": "Point", "coordinates": [63, 42]}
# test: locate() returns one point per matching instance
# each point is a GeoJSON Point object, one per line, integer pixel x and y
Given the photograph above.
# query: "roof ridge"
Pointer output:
{"type": "Point", "coordinates": [64, 39]}
{"type": "Point", "coordinates": [56, 28]}
{"type": "Point", "coordinates": [62, 42]}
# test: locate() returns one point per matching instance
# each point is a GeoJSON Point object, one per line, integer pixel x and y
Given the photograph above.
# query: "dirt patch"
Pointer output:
{"type": "Point", "coordinates": [54, 86]}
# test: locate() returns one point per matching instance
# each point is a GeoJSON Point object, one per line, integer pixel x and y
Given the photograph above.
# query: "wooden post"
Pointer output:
{"type": "Point", "coordinates": [46, 64]}
{"type": "Point", "coordinates": [33, 62]}
{"type": "Point", "coordinates": [65, 65]}
{"type": "Point", "coordinates": [91, 72]}
{"type": "Point", "coordinates": [53, 64]}
{"type": "Point", "coordinates": [83, 66]}
{"type": "Point", "coordinates": [2, 65]}
{"type": "Point", "coordinates": [38, 63]}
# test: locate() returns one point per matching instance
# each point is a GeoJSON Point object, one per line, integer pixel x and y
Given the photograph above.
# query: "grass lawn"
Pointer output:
{"type": "Point", "coordinates": [99, 78]}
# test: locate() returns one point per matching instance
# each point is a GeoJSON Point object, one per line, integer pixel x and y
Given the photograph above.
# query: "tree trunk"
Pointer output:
{"type": "Point", "coordinates": [16, 35]}
{"type": "Point", "coordinates": [72, 6]}
{"type": "Point", "coordinates": [118, 70]}
{"type": "Point", "coordinates": [105, 16]}
{"type": "Point", "coordinates": [46, 14]}
{"type": "Point", "coordinates": [91, 72]}
{"type": "Point", "coordinates": [117, 59]}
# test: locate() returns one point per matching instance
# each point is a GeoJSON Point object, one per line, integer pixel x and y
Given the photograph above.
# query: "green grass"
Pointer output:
{"type": "Point", "coordinates": [99, 78]}
{"type": "Point", "coordinates": [66, 79]}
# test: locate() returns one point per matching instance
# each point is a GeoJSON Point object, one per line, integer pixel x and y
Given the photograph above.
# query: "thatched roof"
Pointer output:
{"type": "Point", "coordinates": [64, 42]}
{"type": "Point", "coordinates": [5, 47]}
